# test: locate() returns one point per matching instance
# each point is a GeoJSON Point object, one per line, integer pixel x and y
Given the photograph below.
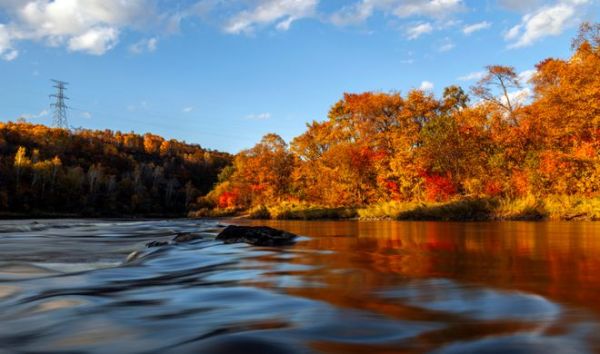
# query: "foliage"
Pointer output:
{"type": "Point", "coordinates": [502, 156]}
{"type": "Point", "coordinates": [47, 170]}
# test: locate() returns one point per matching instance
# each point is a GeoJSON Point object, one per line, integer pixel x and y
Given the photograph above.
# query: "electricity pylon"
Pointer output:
{"type": "Point", "coordinates": [60, 107]}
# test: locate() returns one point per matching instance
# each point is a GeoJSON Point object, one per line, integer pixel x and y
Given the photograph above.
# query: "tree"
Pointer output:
{"type": "Point", "coordinates": [21, 161]}
{"type": "Point", "coordinates": [494, 88]}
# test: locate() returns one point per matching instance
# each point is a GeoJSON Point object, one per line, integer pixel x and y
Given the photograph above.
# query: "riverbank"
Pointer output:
{"type": "Point", "coordinates": [475, 209]}
{"type": "Point", "coordinates": [50, 215]}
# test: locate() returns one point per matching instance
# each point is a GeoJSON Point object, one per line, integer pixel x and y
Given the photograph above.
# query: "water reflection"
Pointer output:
{"type": "Point", "coordinates": [347, 287]}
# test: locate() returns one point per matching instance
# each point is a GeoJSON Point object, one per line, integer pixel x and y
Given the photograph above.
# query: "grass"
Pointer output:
{"type": "Point", "coordinates": [471, 209]}
{"type": "Point", "coordinates": [213, 213]}
{"type": "Point", "coordinates": [302, 211]}
{"type": "Point", "coordinates": [460, 210]}
{"type": "Point", "coordinates": [573, 208]}
{"type": "Point", "coordinates": [526, 208]}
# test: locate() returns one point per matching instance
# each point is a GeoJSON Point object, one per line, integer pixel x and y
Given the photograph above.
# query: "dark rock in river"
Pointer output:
{"type": "Point", "coordinates": [185, 237]}
{"type": "Point", "coordinates": [256, 235]}
{"type": "Point", "coordinates": [157, 244]}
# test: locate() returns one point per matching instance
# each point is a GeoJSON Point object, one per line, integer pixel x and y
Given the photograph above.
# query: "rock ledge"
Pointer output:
{"type": "Point", "coordinates": [256, 235]}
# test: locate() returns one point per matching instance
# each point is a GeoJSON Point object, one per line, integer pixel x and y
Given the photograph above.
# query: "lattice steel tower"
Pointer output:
{"type": "Point", "coordinates": [60, 107]}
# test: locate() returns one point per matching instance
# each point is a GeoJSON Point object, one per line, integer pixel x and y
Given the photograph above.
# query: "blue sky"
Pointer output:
{"type": "Point", "coordinates": [223, 73]}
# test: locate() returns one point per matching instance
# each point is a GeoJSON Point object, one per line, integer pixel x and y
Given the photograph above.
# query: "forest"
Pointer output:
{"type": "Point", "coordinates": [56, 172]}
{"type": "Point", "coordinates": [485, 152]}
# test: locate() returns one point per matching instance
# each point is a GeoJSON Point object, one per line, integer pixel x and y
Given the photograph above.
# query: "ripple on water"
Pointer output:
{"type": "Point", "coordinates": [519, 344]}
{"type": "Point", "coordinates": [474, 302]}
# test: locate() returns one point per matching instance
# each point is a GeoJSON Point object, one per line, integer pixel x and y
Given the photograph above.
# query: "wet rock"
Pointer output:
{"type": "Point", "coordinates": [157, 244]}
{"type": "Point", "coordinates": [256, 235]}
{"type": "Point", "coordinates": [133, 256]}
{"type": "Point", "coordinates": [185, 237]}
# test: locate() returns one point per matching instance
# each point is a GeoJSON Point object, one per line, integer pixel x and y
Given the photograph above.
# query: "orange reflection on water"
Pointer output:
{"type": "Point", "coordinates": [558, 261]}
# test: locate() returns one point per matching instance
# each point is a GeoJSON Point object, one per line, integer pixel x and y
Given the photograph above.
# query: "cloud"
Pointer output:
{"type": "Point", "coordinates": [144, 45]}
{"type": "Point", "coordinates": [467, 30]}
{"type": "Point", "coordinates": [27, 116]}
{"type": "Point", "coordinates": [259, 116]}
{"type": "Point", "coordinates": [519, 5]}
{"type": "Point", "coordinates": [362, 10]}
{"type": "Point", "coordinates": [519, 96]}
{"type": "Point", "coordinates": [187, 109]}
{"type": "Point", "coordinates": [526, 75]}
{"type": "Point", "coordinates": [6, 50]}
{"type": "Point", "coordinates": [96, 41]}
{"type": "Point", "coordinates": [446, 45]}
{"type": "Point", "coordinates": [546, 21]}
{"type": "Point", "coordinates": [477, 75]}
{"type": "Point", "coordinates": [281, 12]}
{"type": "Point", "coordinates": [418, 30]}
{"type": "Point", "coordinates": [86, 115]}
{"type": "Point", "coordinates": [10, 55]}
{"type": "Point", "coordinates": [426, 86]}
{"type": "Point", "coordinates": [89, 26]}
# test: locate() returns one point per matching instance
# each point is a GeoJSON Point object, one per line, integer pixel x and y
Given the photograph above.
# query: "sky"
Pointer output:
{"type": "Point", "coordinates": [222, 73]}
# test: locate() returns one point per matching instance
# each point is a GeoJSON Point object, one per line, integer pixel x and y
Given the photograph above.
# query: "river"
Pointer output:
{"type": "Point", "coordinates": [344, 287]}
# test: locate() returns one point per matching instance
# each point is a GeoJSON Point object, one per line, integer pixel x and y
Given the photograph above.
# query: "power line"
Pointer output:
{"type": "Point", "coordinates": [60, 107]}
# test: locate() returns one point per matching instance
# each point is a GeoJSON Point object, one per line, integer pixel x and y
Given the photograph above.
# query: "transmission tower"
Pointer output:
{"type": "Point", "coordinates": [60, 107]}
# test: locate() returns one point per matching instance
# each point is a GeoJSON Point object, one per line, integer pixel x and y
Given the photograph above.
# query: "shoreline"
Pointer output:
{"type": "Point", "coordinates": [56, 216]}
{"type": "Point", "coordinates": [556, 208]}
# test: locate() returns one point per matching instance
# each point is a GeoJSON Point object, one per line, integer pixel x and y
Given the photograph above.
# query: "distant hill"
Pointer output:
{"type": "Point", "coordinates": [49, 171]}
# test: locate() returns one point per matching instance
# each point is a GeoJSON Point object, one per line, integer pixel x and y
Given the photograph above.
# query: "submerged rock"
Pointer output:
{"type": "Point", "coordinates": [185, 237]}
{"type": "Point", "coordinates": [133, 256]}
{"type": "Point", "coordinates": [152, 244]}
{"type": "Point", "coordinates": [256, 235]}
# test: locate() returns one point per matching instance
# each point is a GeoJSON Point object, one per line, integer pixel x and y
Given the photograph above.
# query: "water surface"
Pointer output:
{"type": "Point", "coordinates": [344, 287]}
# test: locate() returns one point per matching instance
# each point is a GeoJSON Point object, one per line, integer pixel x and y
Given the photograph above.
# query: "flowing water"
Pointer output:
{"type": "Point", "coordinates": [344, 287]}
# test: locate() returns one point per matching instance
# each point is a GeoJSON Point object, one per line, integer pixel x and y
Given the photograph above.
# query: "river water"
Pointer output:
{"type": "Point", "coordinates": [344, 287]}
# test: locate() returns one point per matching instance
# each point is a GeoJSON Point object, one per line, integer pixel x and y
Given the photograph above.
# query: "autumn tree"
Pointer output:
{"type": "Point", "coordinates": [495, 88]}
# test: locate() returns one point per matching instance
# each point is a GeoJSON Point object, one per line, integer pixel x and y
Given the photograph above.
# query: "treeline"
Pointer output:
{"type": "Point", "coordinates": [101, 173]}
{"type": "Point", "coordinates": [381, 147]}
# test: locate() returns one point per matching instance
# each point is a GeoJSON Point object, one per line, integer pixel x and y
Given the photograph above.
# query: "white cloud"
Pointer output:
{"type": "Point", "coordinates": [362, 10]}
{"type": "Point", "coordinates": [446, 45]}
{"type": "Point", "coordinates": [526, 75]}
{"type": "Point", "coordinates": [426, 86]}
{"type": "Point", "coordinates": [96, 41]}
{"type": "Point", "coordinates": [10, 55]}
{"type": "Point", "coordinates": [518, 97]}
{"type": "Point", "coordinates": [281, 12]}
{"type": "Point", "coordinates": [90, 26]}
{"type": "Point", "coordinates": [6, 50]}
{"type": "Point", "coordinates": [476, 75]}
{"type": "Point", "coordinates": [546, 21]}
{"type": "Point", "coordinates": [187, 109]}
{"type": "Point", "coordinates": [27, 116]}
{"type": "Point", "coordinates": [519, 5]}
{"type": "Point", "coordinates": [431, 8]}
{"type": "Point", "coordinates": [476, 27]}
{"type": "Point", "coordinates": [144, 45]}
{"type": "Point", "coordinates": [418, 30]}
{"type": "Point", "coordinates": [86, 115]}
{"type": "Point", "coordinates": [259, 116]}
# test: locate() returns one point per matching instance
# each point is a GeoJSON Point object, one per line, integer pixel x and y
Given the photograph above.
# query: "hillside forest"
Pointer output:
{"type": "Point", "coordinates": [51, 171]}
